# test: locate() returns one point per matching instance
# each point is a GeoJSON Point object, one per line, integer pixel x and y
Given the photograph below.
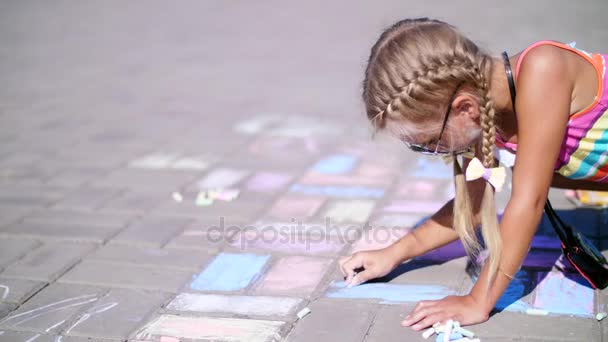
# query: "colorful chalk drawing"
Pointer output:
{"type": "Point", "coordinates": [409, 207]}
{"type": "Point", "coordinates": [338, 191]}
{"type": "Point", "coordinates": [558, 294]}
{"type": "Point", "coordinates": [357, 211]}
{"type": "Point", "coordinates": [297, 208]}
{"type": "Point", "coordinates": [221, 178]}
{"type": "Point", "coordinates": [511, 298]}
{"type": "Point", "coordinates": [287, 126]}
{"type": "Point", "coordinates": [378, 238]}
{"type": "Point", "coordinates": [214, 329]}
{"type": "Point", "coordinates": [397, 220]}
{"type": "Point", "coordinates": [230, 272]}
{"type": "Point", "coordinates": [388, 293]}
{"type": "Point", "coordinates": [335, 164]}
{"type": "Point", "coordinates": [294, 243]}
{"type": "Point", "coordinates": [170, 161]}
{"type": "Point", "coordinates": [241, 305]}
{"type": "Point", "coordinates": [6, 291]}
{"type": "Point", "coordinates": [268, 181]}
{"type": "Point", "coordinates": [294, 275]}
{"type": "Point", "coordinates": [432, 168]}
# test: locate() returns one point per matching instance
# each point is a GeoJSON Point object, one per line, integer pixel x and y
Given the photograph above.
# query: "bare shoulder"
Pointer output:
{"type": "Point", "coordinates": [545, 62]}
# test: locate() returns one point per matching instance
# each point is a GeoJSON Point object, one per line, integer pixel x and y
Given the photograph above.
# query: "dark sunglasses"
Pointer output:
{"type": "Point", "coordinates": [436, 152]}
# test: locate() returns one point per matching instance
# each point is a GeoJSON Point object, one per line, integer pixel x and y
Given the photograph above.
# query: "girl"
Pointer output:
{"type": "Point", "coordinates": [436, 91]}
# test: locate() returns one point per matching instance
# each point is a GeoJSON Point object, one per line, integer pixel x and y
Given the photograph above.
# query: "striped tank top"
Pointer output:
{"type": "Point", "coordinates": [584, 150]}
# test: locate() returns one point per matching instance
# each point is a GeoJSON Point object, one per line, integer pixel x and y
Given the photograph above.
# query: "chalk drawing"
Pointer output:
{"type": "Point", "coordinates": [389, 293]}
{"type": "Point", "coordinates": [221, 178]}
{"type": "Point", "coordinates": [168, 339]}
{"type": "Point", "coordinates": [378, 238]}
{"type": "Point", "coordinates": [6, 291]}
{"type": "Point", "coordinates": [169, 161]}
{"type": "Point", "coordinates": [335, 164]}
{"type": "Point", "coordinates": [271, 240]}
{"type": "Point", "coordinates": [230, 272]}
{"type": "Point", "coordinates": [558, 294]}
{"type": "Point", "coordinates": [434, 169]}
{"type": "Point", "coordinates": [244, 305]}
{"type": "Point", "coordinates": [268, 181]}
{"type": "Point", "coordinates": [314, 178]}
{"type": "Point", "coordinates": [294, 275]}
{"type": "Point", "coordinates": [511, 298]}
{"type": "Point", "coordinates": [403, 206]}
{"type": "Point", "coordinates": [54, 326]}
{"type": "Point", "coordinates": [32, 338]}
{"type": "Point", "coordinates": [338, 191]}
{"type": "Point", "coordinates": [396, 220]}
{"type": "Point", "coordinates": [46, 309]}
{"type": "Point", "coordinates": [190, 163]}
{"type": "Point", "coordinates": [255, 125]}
{"type": "Point", "coordinates": [286, 126]}
{"type": "Point", "coordinates": [210, 328]}
{"type": "Point", "coordinates": [287, 207]}
{"type": "Point", "coordinates": [350, 211]}
{"type": "Point", "coordinates": [284, 148]}
{"type": "Point", "coordinates": [91, 312]}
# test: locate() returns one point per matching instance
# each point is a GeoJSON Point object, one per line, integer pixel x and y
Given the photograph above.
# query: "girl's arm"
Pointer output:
{"type": "Point", "coordinates": [543, 105]}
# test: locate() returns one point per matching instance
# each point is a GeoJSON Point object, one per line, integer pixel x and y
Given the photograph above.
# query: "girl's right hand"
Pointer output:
{"type": "Point", "coordinates": [375, 264]}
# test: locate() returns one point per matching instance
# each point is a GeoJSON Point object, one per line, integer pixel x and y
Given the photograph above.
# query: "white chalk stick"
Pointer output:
{"type": "Point", "coordinates": [600, 316]}
{"type": "Point", "coordinates": [303, 313]}
{"type": "Point", "coordinates": [448, 330]}
{"type": "Point", "coordinates": [428, 333]}
{"type": "Point", "coordinates": [537, 312]}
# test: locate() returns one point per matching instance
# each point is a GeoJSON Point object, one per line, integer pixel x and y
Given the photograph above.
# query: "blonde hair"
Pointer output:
{"type": "Point", "coordinates": [412, 69]}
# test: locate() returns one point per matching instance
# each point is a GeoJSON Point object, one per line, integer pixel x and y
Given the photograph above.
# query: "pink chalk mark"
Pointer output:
{"type": "Point", "coordinates": [287, 208]}
{"type": "Point", "coordinates": [287, 243]}
{"type": "Point", "coordinates": [291, 274]}
{"type": "Point", "coordinates": [374, 239]}
{"type": "Point", "coordinates": [369, 170]}
{"type": "Point", "coordinates": [313, 178]}
{"type": "Point", "coordinates": [396, 220]}
{"type": "Point", "coordinates": [168, 339]}
{"type": "Point", "coordinates": [414, 206]}
{"type": "Point", "coordinates": [268, 181]}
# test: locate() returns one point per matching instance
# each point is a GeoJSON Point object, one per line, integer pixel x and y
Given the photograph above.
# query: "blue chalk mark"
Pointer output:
{"type": "Point", "coordinates": [334, 165]}
{"type": "Point", "coordinates": [338, 191]}
{"type": "Point", "coordinates": [389, 293]}
{"type": "Point", "coordinates": [565, 296]}
{"type": "Point", "coordinates": [229, 272]}
{"type": "Point", "coordinates": [453, 337]}
{"type": "Point", "coordinates": [511, 298]}
{"type": "Point", "coordinates": [437, 169]}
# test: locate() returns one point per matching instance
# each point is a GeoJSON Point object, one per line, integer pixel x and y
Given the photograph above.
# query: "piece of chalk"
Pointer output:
{"type": "Point", "coordinates": [600, 316]}
{"type": "Point", "coordinates": [466, 339]}
{"type": "Point", "coordinates": [448, 330]}
{"type": "Point", "coordinates": [465, 332]}
{"type": "Point", "coordinates": [537, 312]}
{"type": "Point", "coordinates": [303, 313]}
{"type": "Point", "coordinates": [177, 197]}
{"type": "Point", "coordinates": [428, 333]}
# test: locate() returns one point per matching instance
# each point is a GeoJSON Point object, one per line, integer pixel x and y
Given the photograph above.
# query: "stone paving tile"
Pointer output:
{"type": "Point", "coordinates": [87, 198]}
{"type": "Point", "coordinates": [293, 276]}
{"type": "Point", "coordinates": [237, 209]}
{"type": "Point", "coordinates": [61, 231]}
{"type": "Point", "coordinates": [75, 177]}
{"type": "Point", "coordinates": [126, 276]}
{"type": "Point", "coordinates": [386, 326]}
{"type": "Point", "coordinates": [142, 179]}
{"type": "Point", "coordinates": [116, 315]}
{"type": "Point", "coordinates": [18, 291]}
{"type": "Point", "coordinates": [230, 272]}
{"type": "Point", "coordinates": [53, 308]}
{"type": "Point", "coordinates": [6, 308]}
{"type": "Point", "coordinates": [13, 249]}
{"type": "Point", "coordinates": [138, 201]}
{"type": "Point", "coordinates": [152, 232]}
{"type": "Point", "coordinates": [212, 329]}
{"type": "Point", "coordinates": [203, 240]}
{"type": "Point", "coordinates": [281, 308]}
{"type": "Point", "coordinates": [450, 274]}
{"type": "Point", "coordinates": [334, 320]}
{"type": "Point", "coordinates": [151, 256]}
{"type": "Point", "coordinates": [79, 217]}
{"type": "Point", "coordinates": [272, 241]}
{"type": "Point", "coordinates": [12, 214]}
{"type": "Point", "coordinates": [557, 328]}
{"type": "Point", "coordinates": [14, 336]}
{"type": "Point", "coordinates": [48, 262]}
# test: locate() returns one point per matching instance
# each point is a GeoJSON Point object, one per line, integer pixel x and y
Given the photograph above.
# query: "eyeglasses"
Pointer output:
{"type": "Point", "coordinates": [425, 150]}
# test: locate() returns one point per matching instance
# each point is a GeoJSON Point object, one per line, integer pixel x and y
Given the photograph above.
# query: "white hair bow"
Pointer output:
{"type": "Point", "coordinates": [495, 176]}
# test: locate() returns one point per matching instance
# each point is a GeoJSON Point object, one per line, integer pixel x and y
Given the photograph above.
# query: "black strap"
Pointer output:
{"type": "Point", "coordinates": [563, 230]}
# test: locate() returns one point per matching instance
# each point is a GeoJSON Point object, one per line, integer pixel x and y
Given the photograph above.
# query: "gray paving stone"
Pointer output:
{"type": "Point", "coordinates": [334, 320]}
{"type": "Point", "coordinates": [48, 262]}
{"type": "Point", "coordinates": [203, 240]}
{"type": "Point", "coordinates": [85, 339]}
{"type": "Point", "coordinates": [451, 273]}
{"type": "Point", "coordinates": [142, 179]}
{"type": "Point", "coordinates": [387, 327]}
{"type": "Point", "coordinates": [152, 232]}
{"type": "Point", "coordinates": [135, 201]}
{"type": "Point", "coordinates": [12, 249]}
{"type": "Point", "coordinates": [79, 217]}
{"type": "Point", "coordinates": [16, 336]}
{"type": "Point", "coordinates": [18, 291]}
{"type": "Point", "coordinates": [6, 308]}
{"type": "Point", "coordinates": [53, 308]}
{"type": "Point", "coordinates": [30, 195]}
{"type": "Point", "coordinates": [61, 231]}
{"type": "Point", "coordinates": [12, 214]}
{"type": "Point", "coordinates": [117, 314]}
{"type": "Point", "coordinates": [87, 198]}
{"type": "Point", "coordinates": [547, 328]}
{"type": "Point", "coordinates": [238, 209]}
{"type": "Point", "coordinates": [127, 276]}
{"type": "Point", "coordinates": [74, 177]}
{"type": "Point", "coordinates": [151, 256]}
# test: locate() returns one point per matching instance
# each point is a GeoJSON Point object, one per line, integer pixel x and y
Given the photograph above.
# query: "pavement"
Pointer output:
{"type": "Point", "coordinates": [114, 116]}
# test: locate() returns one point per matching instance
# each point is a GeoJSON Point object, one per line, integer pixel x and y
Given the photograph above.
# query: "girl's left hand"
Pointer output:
{"type": "Point", "coordinates": [464, 309]}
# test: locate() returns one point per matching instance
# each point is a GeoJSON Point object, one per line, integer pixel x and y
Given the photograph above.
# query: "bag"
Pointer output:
{"type": "Point", "coordinates": [580, 252]}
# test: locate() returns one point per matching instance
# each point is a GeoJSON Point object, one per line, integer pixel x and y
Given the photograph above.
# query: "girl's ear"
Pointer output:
{"type": "Point", "coordinates": [467, 105]}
